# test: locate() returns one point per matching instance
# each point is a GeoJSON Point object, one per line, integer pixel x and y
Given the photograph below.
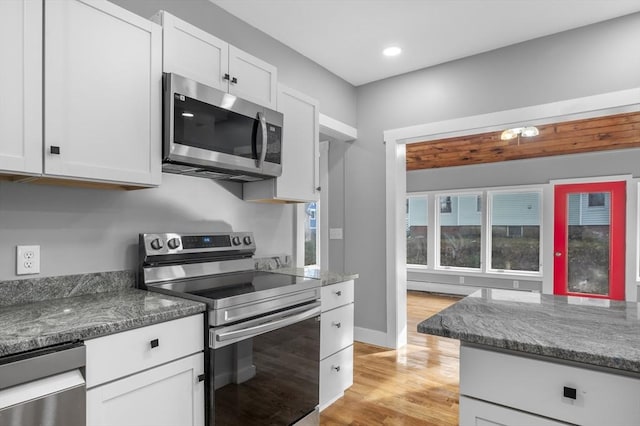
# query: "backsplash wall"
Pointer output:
{"type": "Point", "coordinates": [89, 230]}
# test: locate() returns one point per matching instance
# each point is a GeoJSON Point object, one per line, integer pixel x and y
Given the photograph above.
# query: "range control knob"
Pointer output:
{"type": "Point", "coordinates": [235, 241]}
{"type": "Point", "coordinates": [173, 243]}
{"type": "Point", "coordinates": [247, 240]}
{"type": "Point", "coordinates": [157, 244]}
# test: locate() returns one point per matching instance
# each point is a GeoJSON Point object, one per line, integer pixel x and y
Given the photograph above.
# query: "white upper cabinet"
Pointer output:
{"type": "Point", "coordinates": [300, 152]}
{"type": "Point", "coordinates": [102, 93]}
{"type": "Point", "coordinates": [21, 86]}
{"type": "Point", "coordinates": [198, 55]}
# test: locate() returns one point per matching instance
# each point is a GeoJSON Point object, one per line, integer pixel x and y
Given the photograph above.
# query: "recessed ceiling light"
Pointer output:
{"type": "Point", "coordinates": [392, 51]}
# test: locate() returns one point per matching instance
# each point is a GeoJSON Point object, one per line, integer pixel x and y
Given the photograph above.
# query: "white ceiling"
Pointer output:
{"type": "Point", "coordinates": [347, 36]}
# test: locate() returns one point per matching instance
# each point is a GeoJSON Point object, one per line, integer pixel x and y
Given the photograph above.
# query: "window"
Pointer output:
{"type": "Point", "coordinates": [417, 221]}
{"type": "Point", "coordinates": [311, 234]}
{"type": "Point", "coordinates": [515, 231]}
{"type": "Point", "coordinates": [597, 199]}
{"type": "Point", "coordinates": [445, 204]}
{"type": "Point", "coordinates": [460, 231]}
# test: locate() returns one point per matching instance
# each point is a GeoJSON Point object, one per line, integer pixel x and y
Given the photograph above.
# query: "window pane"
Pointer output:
{"type": "Point", "coordinates": [460, 231]}
{"type": "Point", "coordinates": [515, 231]}
{"type": "Point", "coordinates": [417, 220]}
{"type": "Point", "coordinates": [310, 232]}
{"type": "Point", "coordinates": [588, 243]}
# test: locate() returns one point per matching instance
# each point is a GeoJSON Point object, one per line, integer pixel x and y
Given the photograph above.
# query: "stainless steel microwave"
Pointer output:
{"type": "Point", "coordinates": [213, 134]}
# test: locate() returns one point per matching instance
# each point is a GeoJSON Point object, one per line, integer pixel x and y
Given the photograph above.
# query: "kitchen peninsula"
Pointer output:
{"type": "Point", "coordinates": [529, 358]}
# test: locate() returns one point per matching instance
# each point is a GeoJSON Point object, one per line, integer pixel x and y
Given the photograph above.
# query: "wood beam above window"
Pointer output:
{"type": "Point", "coordinates": [618, 131]}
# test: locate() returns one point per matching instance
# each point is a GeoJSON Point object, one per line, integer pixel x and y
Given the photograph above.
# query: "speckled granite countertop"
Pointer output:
{"type": "Point", "coordinates": [592, 331]}
{"type": "Point", "coordinates": [326, 277]}
{"type": "Point", "coordinates": [36, 322]}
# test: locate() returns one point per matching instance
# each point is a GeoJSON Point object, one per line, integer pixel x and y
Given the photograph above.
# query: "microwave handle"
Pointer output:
{"type": "Point", "coordinates": [263, 125]}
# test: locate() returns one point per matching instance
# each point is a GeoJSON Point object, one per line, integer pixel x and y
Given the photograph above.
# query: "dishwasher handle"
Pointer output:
{"type": "Point", "coordinates": [40, 363]}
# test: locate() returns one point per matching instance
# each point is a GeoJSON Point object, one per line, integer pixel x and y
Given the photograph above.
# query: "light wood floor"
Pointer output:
{"type": "Point", "coordinates": [416, 385]}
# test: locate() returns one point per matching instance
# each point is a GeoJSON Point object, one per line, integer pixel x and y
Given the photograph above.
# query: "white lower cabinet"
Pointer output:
{"type": "Point", "coordinates": [480, 413]}
{"type": "Point", "coordinates": [510, 389]}
{"type": "Point", "coordinates": [151, 375]}
{"type": "Point", "coordinates": [169, 395]}
{"type": "Point", "coordinates": [336, 342]}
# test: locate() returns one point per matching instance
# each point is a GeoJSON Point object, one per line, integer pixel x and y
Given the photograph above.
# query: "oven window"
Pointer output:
{"type": "Point", "coordinates": [205, 126]}
{"type": "Point", "coordinates": [272, 378]}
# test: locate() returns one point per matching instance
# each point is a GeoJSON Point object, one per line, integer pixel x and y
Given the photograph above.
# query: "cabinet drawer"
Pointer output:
{"type": "Point", "coordinates": [335, 295]}
{"type": "Point", "coordinates": [336, 330]}
{"type": "Point", "coordinates": [336, 375]}
{"type": "Point", "coordinates": [118, 355]}
{"type": "Point", "coordinates": [538, 386]}
{"type": "Point", "coordinates": [479, 413]}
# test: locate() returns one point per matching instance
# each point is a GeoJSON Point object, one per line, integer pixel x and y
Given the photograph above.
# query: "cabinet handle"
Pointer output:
{"type": "Point", "coordinates": [338, 293]}
{"type": "Point", "coordinates": [54, 150]}
{"type": "Point", "coordinates": [570, 393]}
{"type": "Point", "coordinates": [336, 324]}
{"type": "Point", "coordinates": [154, 343]}
{"type": "Point", "coordinates": [225, 77]}
{"type": "Point", "coordinates": [335, 367]}
{"type": "Point", "coordinates": [234, 80]}
{"type": "Point", "coordinates": [201, 378]}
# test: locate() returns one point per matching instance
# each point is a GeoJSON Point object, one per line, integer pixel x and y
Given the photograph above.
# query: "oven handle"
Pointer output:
{"type": "Point", "coordinates": [271, 325]}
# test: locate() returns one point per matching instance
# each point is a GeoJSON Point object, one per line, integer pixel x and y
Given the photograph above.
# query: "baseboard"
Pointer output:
{"type": "Point", "coordinates": [372, 337]}
{"type": "Point", "coordinates": [441, 288]}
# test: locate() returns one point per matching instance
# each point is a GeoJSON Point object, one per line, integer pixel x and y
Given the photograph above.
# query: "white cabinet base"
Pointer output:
{"type": "Point", "coordinates": [168, 395]}
{"type": "Point", "coordinates": [479, 413]}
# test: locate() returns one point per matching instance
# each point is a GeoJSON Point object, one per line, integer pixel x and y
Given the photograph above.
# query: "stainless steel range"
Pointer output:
{"type": "Point", "coordinates": [264, 328]}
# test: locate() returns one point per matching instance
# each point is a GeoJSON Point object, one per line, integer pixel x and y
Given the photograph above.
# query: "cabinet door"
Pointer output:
{"type": "Point", "coordinates": [300, 146]}
{"type": "Point", "coordinates": [252, 78]}
{"type": "Point", "coordinates": [474, 412]}
{"type": "Point", "coordinates": [336, 376]}
{"type": "Point", "coordinates": [21, 86]}
{"type": "Point", "coordinates": [167, 395]}
{"type": "Point", "coordinates": [103, 84]}
{"type": "Point", "coordinates": [193, 53]}
{"type": "Point", "coordinates": [336, 330]}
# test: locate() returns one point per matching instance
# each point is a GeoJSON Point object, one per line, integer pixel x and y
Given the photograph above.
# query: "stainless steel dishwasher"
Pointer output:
{"type": "Point", "coordinates": [44, 387]}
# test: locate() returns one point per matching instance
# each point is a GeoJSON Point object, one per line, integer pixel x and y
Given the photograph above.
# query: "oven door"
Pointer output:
{"type": "Point", "coordinates": [212, 129]}
{"type": "Point", "coordinates": [266, 371]}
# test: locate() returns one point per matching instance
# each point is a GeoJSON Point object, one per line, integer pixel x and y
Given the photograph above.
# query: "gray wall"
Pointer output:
{"type": "Point", "coordinates": [337, 97]}
{"type": "Point", "coordinates": [90, 230]}
{"type": "Point", "coordinates": [596, 59]}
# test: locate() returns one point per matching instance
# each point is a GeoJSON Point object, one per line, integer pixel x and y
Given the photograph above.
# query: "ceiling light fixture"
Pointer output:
{"type": "Point", "coordinates": [525, 132]}
{"type": "Point", "coordinates": [392, 51]}
{"type": "Point", "coordinates": [187, 114]}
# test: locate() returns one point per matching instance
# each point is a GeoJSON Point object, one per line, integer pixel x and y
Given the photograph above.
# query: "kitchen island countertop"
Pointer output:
{"type": "Point", "coordinates": [38, 324]}
{"type": "Point", "coordinates": [599, 332]}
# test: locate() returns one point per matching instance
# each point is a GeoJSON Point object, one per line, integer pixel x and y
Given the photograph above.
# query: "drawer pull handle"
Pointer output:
{"type": "Point", "coordinates": [234, 80]}
{"type": "Point", "coordinates": [201, 378]}
{"type": "Point", "coordinates": [570, 392]}
{"type": "Point", "coordinates": [335, 367]}
{"type": "Point", "coordinates": [336, 324]}
{"type": "Point", "coordinates": [339, 293]}
{"type": "Point", "coordinates": [155, 343]}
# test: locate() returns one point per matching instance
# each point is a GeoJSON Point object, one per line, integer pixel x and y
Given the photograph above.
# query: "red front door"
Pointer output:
{"type": "Point", "coordinates": [589, 240]}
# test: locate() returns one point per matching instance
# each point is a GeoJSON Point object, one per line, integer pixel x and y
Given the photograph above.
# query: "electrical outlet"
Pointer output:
{"type": "Point", "coordinates": [516, 284]}
{"type": "Point", "coordinates": [27, 260]}
{"type": "Point", "coordinates": [461, 280]}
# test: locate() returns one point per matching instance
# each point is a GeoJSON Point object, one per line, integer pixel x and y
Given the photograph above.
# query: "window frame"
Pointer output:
{"type": "Point", "coordinates": [426, 196]}
{"type": "Point", "coordinates": [433, 235]}
{"type": "Point", "coordinates": [489, 237]}
{"type": "Point", "coordinates": [438, 267]}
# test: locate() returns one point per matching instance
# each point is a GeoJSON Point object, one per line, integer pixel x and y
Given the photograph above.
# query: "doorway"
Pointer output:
{"type": "Point", "coordinates": [589, 240]}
